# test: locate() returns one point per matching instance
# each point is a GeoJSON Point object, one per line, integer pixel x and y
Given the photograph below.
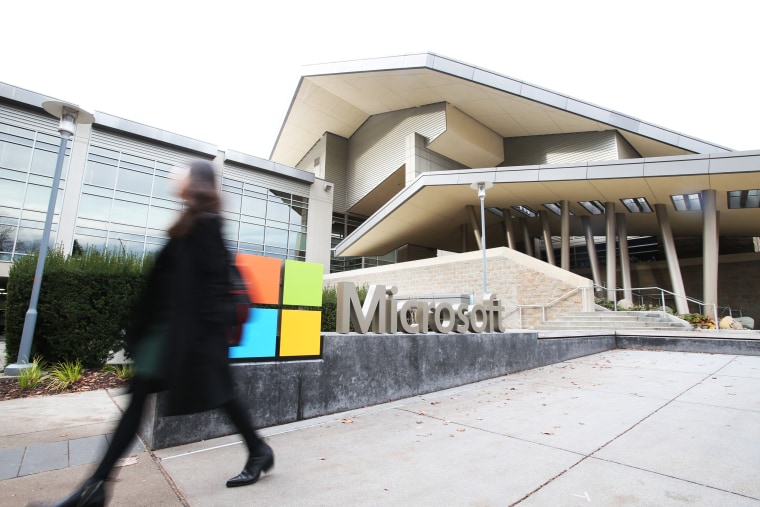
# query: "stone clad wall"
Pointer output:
{"type": "Point", "coordinates": [516, 278]}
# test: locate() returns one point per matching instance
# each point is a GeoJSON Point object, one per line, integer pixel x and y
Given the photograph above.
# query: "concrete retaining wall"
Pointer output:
{"type": "Point", "coordinates": [360, 370]}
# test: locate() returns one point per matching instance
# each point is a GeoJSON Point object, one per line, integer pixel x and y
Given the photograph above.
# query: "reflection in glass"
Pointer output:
{"type": "Point", "coordinates": [279, 212]}
{"type": "Point", "coordinates": [251, 233]}
{"type": "Point", "coordinates": [161, 218]}
{"type": "Point", "coordinates": [7, 237]}
{"type": "Point", "coordinates": [13, 156]}
{"type": "Point", "coordinates": [276, 237]}
{"type": "Point", "coordinates": [11, 193]}
{"type": "Point", "coordinates": [254, 207]}
{"type": "Point", "coordinates": [131, 213]}
{"type": "Point", "coordinates": [231, 202]}
{"type": "Point", "coordinates": [44, 162]}
{"type": "Point", "coordinates": [37, 197]}
{"type": "Point", "coordinates": [97, 208]}
{"type": "Point", "coordinates": [29, 240]}
{"type": "Point", "coordinates": [102, 175]}
{"type": "Point", "coordinates": [133, 181]}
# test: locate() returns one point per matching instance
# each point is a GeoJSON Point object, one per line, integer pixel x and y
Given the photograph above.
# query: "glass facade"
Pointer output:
{"type": "Point", "coordinates": [342, 226]}
{"type": "Point", "coordinates": [27, 162]}
{"type": "Point", "coordinates": [127, 203]}
{"type": "Point", "coordinates": [262, 221]}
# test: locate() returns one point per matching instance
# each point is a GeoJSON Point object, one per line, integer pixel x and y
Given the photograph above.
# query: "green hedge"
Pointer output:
{"type": "Point", "coordinates": [84, 305]}
{"type": "Point", "coordinates": [330, 305]}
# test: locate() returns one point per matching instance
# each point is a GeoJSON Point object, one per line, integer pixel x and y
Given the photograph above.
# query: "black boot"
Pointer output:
{"type": "Point", "coordinates": [91, 493]}
{"type": "Point", "coordinates": [260, 461]}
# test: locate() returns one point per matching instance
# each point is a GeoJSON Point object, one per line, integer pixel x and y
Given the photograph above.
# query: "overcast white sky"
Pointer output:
{"type": "Point", "coordinates": [225, 71]}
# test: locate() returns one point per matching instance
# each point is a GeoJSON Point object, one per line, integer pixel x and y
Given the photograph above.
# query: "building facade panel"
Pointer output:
{"type": "Point", "coordinates": [561, 148]}
{"type": "Point", "coordinates": [377, 149]}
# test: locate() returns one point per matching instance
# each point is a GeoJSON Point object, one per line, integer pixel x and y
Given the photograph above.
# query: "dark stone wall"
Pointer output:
{"type": "Point", "coordinates": [360, 370]}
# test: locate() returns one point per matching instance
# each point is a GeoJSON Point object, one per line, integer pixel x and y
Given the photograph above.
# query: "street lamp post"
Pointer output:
{"type": "Point", "coordinates": [69, 115]}
{"type": "Point", "coordinates": [481, 187]}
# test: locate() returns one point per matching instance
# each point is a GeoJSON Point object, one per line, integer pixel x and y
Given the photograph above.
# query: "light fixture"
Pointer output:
{"type": "Point", "coordinates": [636, 204]}
{"type": "Point", "coordinates": [740, 199]}
{"type": "Point", "coordinates": [556, 208]}
{"type": "Point", "coordinates": [481, 187]}
{"type": "Point", "coordinates": [686, 202]}
{"type": "Point", "coordinates": [593, 207]}
{"type": "Point", "coordinates": [69, 116]}
{"type": "Point", "coordinates": [526, 210]}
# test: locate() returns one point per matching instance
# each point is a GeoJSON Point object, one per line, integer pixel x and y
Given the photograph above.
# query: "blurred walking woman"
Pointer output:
{"type": "Point", "coordinates": [178, 335]}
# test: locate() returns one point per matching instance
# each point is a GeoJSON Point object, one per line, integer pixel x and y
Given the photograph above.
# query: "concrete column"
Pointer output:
{"type": "Point", "coordinates": [526, 237]}
{"type": "Point", "coordinates": [710, 234]}
{"type": "Point", "coordinates": [565, 230]}
{"type": "Point", "coordinates": [609, 212]}
{"type": "Point", "coordinates": [625, 261]}
{"type": "Point", "coordinates": [463, 232]}
{"type": "Point", "coordinates": [475, 226]}
{"type": "Point", "coordinates": [509, 229]}
{"type": "Point", "coordinates": [68, 202]}
{"type": "Point", "coordinates": [682, 306]}
{"type": "Point", "coordinates": [546, 229]}
{"type": "Point", "coordinates": [591, 248]}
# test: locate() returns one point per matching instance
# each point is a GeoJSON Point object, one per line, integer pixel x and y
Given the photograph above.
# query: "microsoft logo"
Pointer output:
{"type": "Point", "coordinates": [285, 318]}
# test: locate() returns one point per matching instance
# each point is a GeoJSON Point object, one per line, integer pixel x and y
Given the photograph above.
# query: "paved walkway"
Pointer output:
{"type": "Point", "coordinates": [624, 427]}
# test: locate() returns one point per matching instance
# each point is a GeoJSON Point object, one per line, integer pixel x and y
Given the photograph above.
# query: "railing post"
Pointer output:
{"type": "Point", "coordinates": [662, 298]}
{"type": "Point", "coordinates": [717, 321]}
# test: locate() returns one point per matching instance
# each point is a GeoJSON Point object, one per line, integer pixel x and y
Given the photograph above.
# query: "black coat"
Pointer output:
{"type": "Point", "coordinates": [186, 289]}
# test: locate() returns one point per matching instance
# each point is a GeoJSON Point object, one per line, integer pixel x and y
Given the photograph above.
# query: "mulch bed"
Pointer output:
{"type": "Point", "coordinates": [90, 381]}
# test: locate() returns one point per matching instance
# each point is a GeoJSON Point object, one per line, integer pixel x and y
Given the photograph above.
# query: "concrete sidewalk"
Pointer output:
{"type": "Point", "coordinates": [625, 427]}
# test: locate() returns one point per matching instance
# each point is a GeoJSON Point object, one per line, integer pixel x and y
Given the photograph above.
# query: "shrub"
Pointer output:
{"type": "Point", "coordinates": [123, 371]}
{"type": "Point", "coordinates": [84, 305]}
{"type": "Point", "coordinates": [698, 320]}
{"type": "Point", "coordinates": [33, 375]}
{"type": "Point", "coordinates": [65, 373]}
{"type": "Point", "coordinates": [330, 306]}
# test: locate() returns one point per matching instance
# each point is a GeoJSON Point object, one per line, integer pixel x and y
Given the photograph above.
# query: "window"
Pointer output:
{"type": "Point", "coordinates": [593, 207]}
{"type": "Point", "coordinates": [555, 208]}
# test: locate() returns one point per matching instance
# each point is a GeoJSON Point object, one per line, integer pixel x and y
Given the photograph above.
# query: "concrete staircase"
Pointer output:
{"type": "Point", "coordinates": [623, 321]}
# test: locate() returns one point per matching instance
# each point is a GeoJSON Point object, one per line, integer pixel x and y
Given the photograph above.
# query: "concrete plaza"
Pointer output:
{"type": "Point", "coordinates": [623, 427]}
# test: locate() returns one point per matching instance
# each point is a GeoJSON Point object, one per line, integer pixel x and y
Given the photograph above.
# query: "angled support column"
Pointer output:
{"type": "Point", "coordinates": [546, 229]}
{"type": "Point", "coordinates": [609, 212]}
{"type": "Point", "coordinates": [591, 248]}
{"type": "Point", "coordinates": [625, 260]}
{"type": "Point", "coordinates": [475, 226]}
{"type": "Point", "coordinates": [463, 233]}
{"type": "Point", "coordinates": [509, 229]}
{"type": "Point", "coordinates": [682, 306]}
{"type": "Point", "coordinates": [565, 235]}
{"type": "Point", "coordinates": [526, 237]}
{"type": "Point", "coordinates": [710, 251]}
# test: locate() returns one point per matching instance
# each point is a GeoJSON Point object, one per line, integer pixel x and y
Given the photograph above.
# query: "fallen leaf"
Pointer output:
{"type": "Point", "coordinates": [460, 430]}
{"type": "Point", "coordinates": [346, 420]}
{"type": "Point", "coordinates": [321, 458]}
{"type": "Point", "coordinates": [547, 433]}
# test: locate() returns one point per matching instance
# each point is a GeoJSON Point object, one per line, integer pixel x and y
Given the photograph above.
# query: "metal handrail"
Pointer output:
{"type": "Point", "coordinates": [553, 302]}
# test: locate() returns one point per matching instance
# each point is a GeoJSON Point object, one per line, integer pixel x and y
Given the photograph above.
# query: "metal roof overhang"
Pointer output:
{"type": "Point", "coordinates": [431, 210]}
{"type": "Point", "coordinates": [339, 97]}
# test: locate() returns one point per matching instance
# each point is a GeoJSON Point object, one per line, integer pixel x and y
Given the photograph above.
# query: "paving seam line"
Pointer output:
{"type": "Point", "coordinates": [591, 455]}
{"type": "Point", "coordinates": [156, 461]}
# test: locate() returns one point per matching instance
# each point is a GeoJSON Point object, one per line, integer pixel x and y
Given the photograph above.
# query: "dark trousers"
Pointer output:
{"type": "Point", "coordinates": [130, 420]}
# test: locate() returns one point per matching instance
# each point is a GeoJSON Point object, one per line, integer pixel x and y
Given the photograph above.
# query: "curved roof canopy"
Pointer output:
{"type": "Point", "coordinates": [339, 97]}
